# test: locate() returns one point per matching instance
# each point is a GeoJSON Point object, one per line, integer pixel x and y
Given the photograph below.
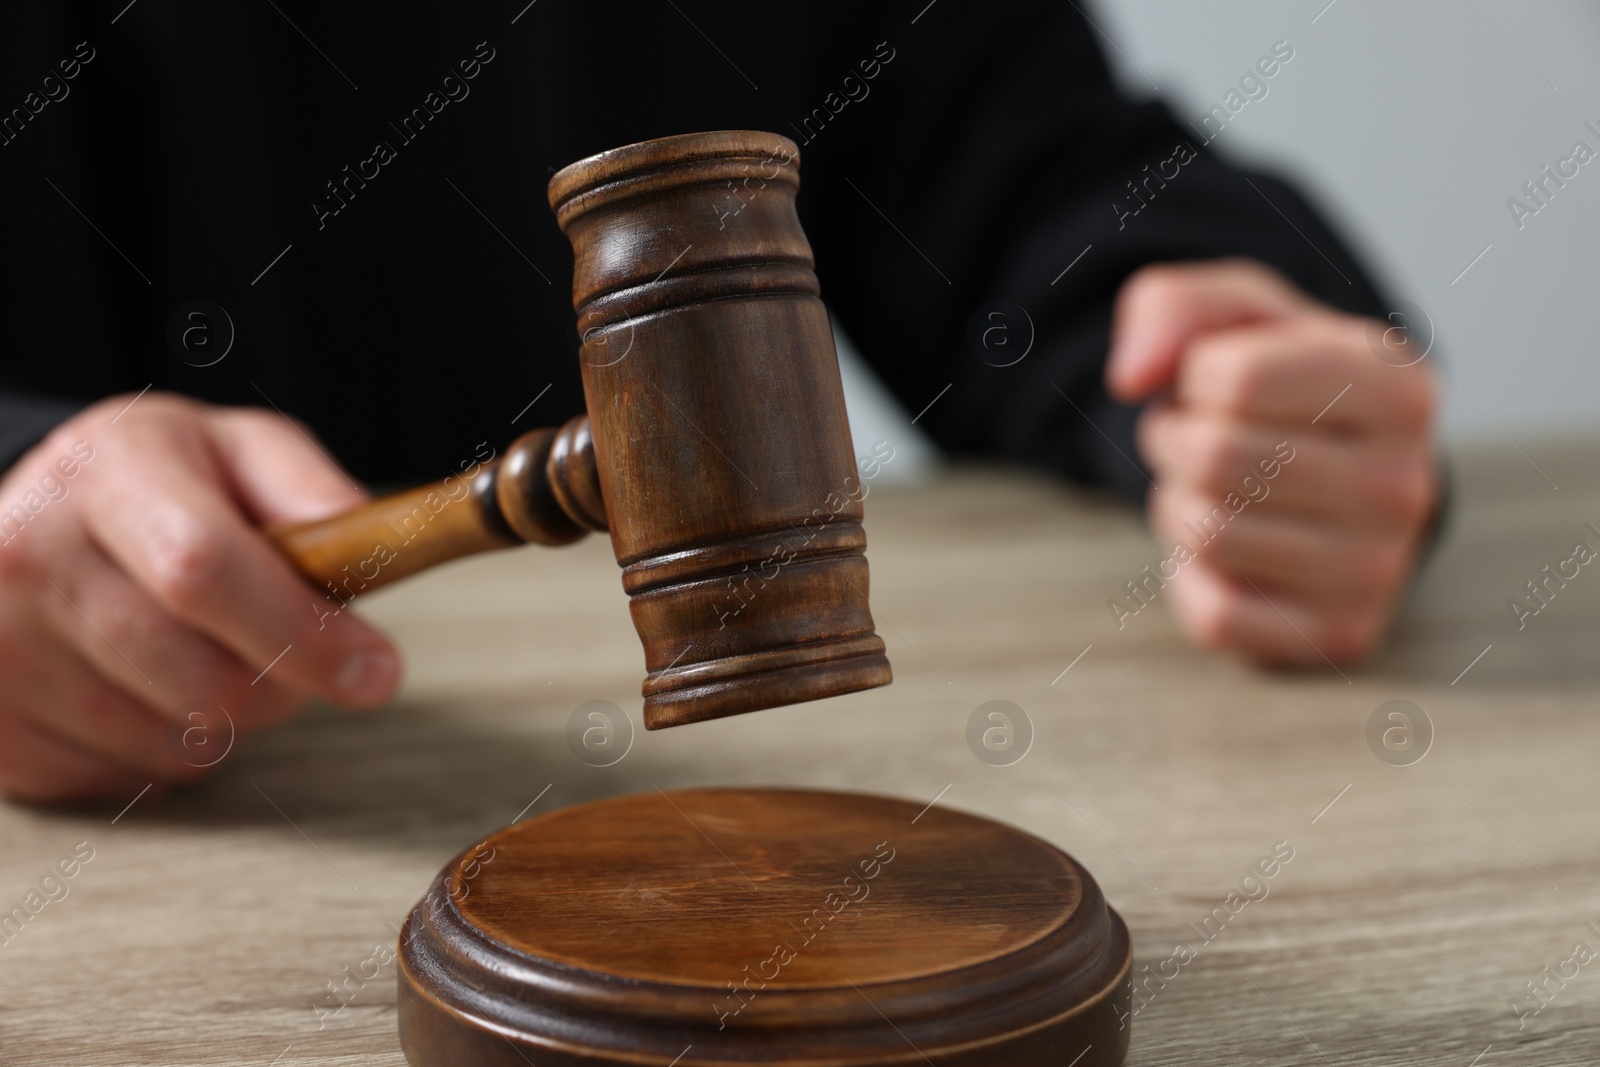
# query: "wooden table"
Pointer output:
{"type": "Point", "coordinates": [208, 926]}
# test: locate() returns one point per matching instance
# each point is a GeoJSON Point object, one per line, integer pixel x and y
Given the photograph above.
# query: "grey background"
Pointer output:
{"type": "Point", "coordinates": [1411, 122]}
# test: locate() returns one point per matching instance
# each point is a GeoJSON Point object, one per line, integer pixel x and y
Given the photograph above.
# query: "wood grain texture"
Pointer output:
{"type": "Point", "coordinates": [720, 432]}
{"type": "Point", "coordinates": [209, 924]}
{"type": "Point", "coordinates": [544, 490]}
{"type": "Point", "coordinates": [712, 927]}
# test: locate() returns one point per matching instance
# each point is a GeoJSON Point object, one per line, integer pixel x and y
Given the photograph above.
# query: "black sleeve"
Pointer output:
{"type": "Point", "coordinates": [25, 419]}
{"type": "Point", "coordinates": [994, 161]}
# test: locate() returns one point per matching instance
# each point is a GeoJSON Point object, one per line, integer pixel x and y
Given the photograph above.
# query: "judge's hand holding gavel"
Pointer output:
{"type": "Point", "coordinates": [145, 581]}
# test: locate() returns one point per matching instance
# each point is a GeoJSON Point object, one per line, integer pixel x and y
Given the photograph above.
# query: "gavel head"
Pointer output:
{"type": "Point", "coordinates": [723, 454]}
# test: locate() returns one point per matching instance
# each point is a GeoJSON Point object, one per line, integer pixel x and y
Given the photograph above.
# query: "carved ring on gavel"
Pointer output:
{"type": "Point", "coordinates": [716, 449]}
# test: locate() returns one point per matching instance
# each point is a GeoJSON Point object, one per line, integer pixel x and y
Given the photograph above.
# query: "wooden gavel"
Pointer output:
{"type": "Point", "coordinates": [715, 450]}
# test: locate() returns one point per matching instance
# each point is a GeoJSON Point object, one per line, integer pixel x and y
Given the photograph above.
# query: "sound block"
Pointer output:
{"type": "Point", "coordinates": [763, 926]}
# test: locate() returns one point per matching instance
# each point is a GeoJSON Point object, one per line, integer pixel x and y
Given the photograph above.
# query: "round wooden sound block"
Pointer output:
{"type": "Point", "coordinates": [763, 926]}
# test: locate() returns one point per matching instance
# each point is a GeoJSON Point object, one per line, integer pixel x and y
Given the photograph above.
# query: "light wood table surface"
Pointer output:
{"type": "Point", "coordinates": [1419, 901]}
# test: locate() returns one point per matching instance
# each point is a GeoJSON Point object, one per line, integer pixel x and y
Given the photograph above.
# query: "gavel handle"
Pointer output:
{"type": "Point", "coordinates": [545, 489]}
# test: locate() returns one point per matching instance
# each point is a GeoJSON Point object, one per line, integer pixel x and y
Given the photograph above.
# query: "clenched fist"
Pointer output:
{"type": "Point", "coordinates": [135, 580]}
{"type": "Point", "coordinates": [1295, 471]}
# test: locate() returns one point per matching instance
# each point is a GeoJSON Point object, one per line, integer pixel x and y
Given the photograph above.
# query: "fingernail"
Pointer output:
{"type": "Point", "coordinates": [369, 676]}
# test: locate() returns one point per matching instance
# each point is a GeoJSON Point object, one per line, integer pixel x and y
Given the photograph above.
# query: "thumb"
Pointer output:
{"type": "Point", "coordinates": [1163, 307]}
{"type": "Point", "coordinates": [280, 471]}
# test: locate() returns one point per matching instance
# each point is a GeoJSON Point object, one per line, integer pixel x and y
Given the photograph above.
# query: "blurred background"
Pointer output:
{"type": "Point", "coordinates": [1411, 124]}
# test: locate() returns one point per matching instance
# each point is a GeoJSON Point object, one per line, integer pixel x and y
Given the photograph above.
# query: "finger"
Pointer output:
{"type": "Point", "coordinates": [1161, 308]}
{"type": "Point", "coordinates": [37, 766]}
{"type": "Point", "coordinates": [1361, 482]}
{"type": "Point", "coordinates": [1320, 564]}
{"type": "Point", "coordinates": [280, 471]}
{"type": "Point", "coordinates": [1269, 626]}
{"type": "Point", "coordinates": [1316, 370]}
{"type": "Point", "coordinates": [133, 643]}
{"type": "Point", "coordinates": [66, 698]}
{"type": "Point", "coordinates": [183, 542]}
